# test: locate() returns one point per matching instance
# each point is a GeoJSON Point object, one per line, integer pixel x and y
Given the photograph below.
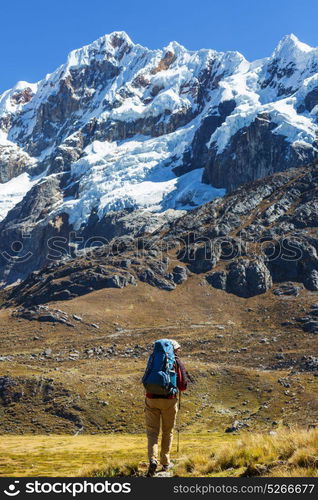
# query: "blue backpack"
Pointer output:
{"type": "Point", "coordinates": [160, 376]}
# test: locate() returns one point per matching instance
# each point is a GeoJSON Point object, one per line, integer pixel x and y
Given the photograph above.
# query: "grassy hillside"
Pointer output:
{"type": "Point", "coordinates": [245, 356]}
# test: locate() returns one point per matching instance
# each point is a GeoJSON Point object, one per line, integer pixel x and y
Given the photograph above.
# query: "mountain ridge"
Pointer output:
{"type": "Point", "coordinates": [260, 237]}
{"type": "Point", "coordinates": [120, 128]}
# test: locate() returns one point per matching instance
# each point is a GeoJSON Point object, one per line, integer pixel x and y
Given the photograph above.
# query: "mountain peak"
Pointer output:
{"type": "Point", "coordinates": [111, 43]}
{"type": "Point", "coordinates": [175, 47]}
{"type": "Point", "coordinates": [290, 44]}
{"type": "Point", "coordinates": [122, 35]}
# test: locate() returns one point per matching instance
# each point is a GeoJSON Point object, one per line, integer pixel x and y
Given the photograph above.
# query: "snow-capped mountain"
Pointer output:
{"type": "Point", "coordinates": [120, 132]}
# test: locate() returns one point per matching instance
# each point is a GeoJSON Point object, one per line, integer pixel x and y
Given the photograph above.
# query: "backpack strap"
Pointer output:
{"type": "Point", "coordinates": [148, 367]}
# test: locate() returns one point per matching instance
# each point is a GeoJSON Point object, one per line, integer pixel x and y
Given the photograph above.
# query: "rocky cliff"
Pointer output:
{"type": "Point", "coordinates": [262, 236]}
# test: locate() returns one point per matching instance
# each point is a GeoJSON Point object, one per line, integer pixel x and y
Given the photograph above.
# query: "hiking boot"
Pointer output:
{"type": "Point", "coordinates": [167, 467]}
{"type": "Point", "coordinates": [152, 468]}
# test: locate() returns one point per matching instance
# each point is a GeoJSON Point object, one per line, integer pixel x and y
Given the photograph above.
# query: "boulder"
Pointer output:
{"type": "Point", "coordinates": [311, 281]}
{"type": "Point", "coordinates": [311, 326]}
{"type": "Point", "coordinates": [243, 278]}
{"type": "Point", "coordinates": [180, 274]}
{"type": "Point", "coordinates": [236, 426]}
{"type": "Point", "coordinates": [148, 276]}
{"type": "Point", "coordinates": [309, 363]}
{"type": "Point", "coordinates": [287, 289]}
{"type": "Point", "coordinates": [217, 279]}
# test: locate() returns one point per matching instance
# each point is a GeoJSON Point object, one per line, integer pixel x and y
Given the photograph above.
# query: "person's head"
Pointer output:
{"type": "Point", "coordinates": [176, 346]}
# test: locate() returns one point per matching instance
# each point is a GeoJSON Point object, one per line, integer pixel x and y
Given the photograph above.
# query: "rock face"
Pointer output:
{"type": "Point", "coordinates": [253, 152]}
{"type": "Point", "coordinates": [122, 139]}
{"type": "Point", "coordinates": [295, 259]}
{"type": "Point", "coordinates": [243, 277]}
{"type": "Point", "coordinates": [79, 280]}
{"type": "Point", "coordinates": [44, 315]}
{"type": "Point", "coordinates": [309, 322]}
{"type": "Point", "coordinates": [180, 274]}
{"type": "Point", "coordinates": [260, 237]}
{"type": "Point", "coordinates": [13, 162]}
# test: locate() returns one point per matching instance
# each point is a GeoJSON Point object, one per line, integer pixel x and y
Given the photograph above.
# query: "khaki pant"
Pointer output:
{"type": "Point", "coordinates": [167, 410]}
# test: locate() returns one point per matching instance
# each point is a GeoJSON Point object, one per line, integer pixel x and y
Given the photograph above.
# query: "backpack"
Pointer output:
{"type": "Point", "coordinates": [160, 376]}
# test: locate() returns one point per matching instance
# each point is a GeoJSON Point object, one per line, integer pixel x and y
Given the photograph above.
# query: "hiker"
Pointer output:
{"type": "Point", "coordinates": [165, 375]}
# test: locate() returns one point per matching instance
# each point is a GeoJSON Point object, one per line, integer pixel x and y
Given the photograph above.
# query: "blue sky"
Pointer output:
{"type": "Point", "coordinates": [35, 36]}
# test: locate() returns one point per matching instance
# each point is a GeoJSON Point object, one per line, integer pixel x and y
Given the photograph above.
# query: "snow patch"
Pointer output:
{"type": "Point", "coordinates": [12, 192]}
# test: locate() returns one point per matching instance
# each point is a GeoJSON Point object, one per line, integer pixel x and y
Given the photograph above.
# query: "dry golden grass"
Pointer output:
{"type": "Point", "coordinates": [63, 455]}
{"type": "Point", "coordinates": [285, 453]}
{"type": "Point", "coordinates": [288, 453]}
{"type": "Point", "coordinates": [83, 455]}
